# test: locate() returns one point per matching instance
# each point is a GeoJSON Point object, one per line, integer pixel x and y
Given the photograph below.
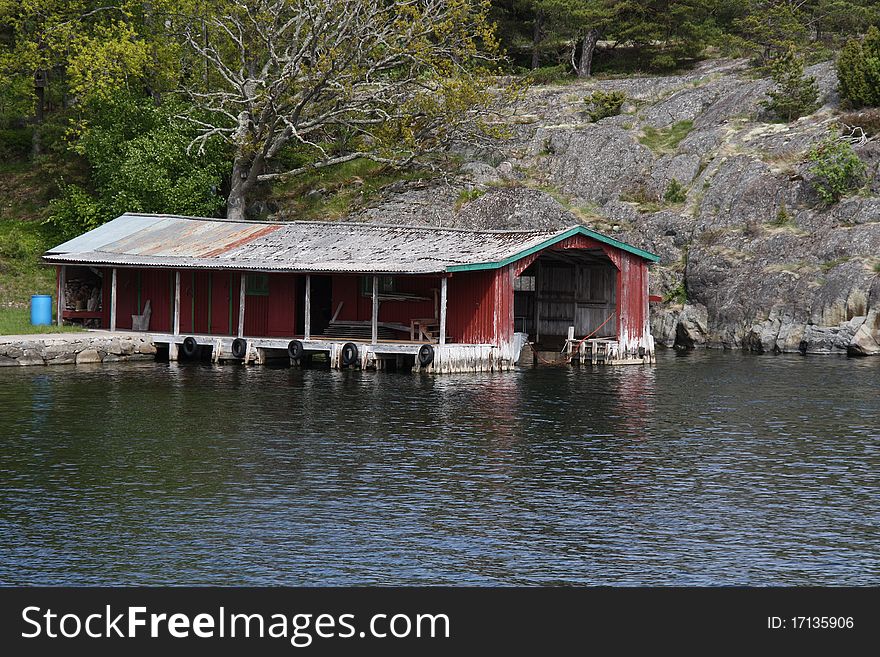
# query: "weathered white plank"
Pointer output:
{"type": "Point", "coordinates": [177, 303]}
{"type": "Point", "coordinates": [375, 317]}
{"type": "Point", "coordinates": [113, 301]}
{"type": "Point", "coordinates": [241, 298]}
{"type": "Point", "coordinates": [443, 285]}
{"type": "Point", "coordinates": [307, 310]}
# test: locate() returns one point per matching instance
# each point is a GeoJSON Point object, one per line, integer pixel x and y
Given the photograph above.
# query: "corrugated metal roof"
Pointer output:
{"type": "Point", "coordinates": [173, 241]}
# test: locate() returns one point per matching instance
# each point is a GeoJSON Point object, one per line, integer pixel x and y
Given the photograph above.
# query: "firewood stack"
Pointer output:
{"type": "Point", "coordinates": [80, 294]}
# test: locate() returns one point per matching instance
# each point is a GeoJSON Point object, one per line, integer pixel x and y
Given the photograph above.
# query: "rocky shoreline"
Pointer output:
{"type": "Point", "coordinates": [74, 348]}
{"type": "Point", "coordinates": [750, 256]}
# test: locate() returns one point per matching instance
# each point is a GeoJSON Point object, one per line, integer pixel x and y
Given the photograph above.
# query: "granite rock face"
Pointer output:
{"type": "Point", "coordinates": [760, 262]}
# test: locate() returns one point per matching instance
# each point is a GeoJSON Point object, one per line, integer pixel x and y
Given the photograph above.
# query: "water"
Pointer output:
{"type": "Point", "coordinates": [710, 468]}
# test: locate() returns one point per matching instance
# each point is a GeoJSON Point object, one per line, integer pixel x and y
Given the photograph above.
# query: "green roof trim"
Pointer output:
{"type": "Point", "coordinates": [576, 230]}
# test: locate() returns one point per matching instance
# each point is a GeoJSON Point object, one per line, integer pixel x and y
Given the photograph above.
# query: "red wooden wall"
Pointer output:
{"type": "Point", "coordinates": [194, 302]}
{"type": "Point", "coordinates": [358, 307]}
{"type": "Point", "coordinates": [225, 292]}
{"type": "Point", "coordinates": [480, 306]}
{"type": "Point", "coordinates": [281, 311]}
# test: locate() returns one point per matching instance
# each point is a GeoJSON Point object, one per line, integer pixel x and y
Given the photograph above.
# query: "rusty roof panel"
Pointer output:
{"type": "Point", "coordinates": [188, 242]}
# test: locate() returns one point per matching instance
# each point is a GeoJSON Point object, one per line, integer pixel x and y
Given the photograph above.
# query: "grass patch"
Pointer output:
{"type": "Point", "coordinates": [465, 196]}
{"type": "Point", "coordinates": [831, 264]}
{"type": "Point", "coordinates": [335, 192]}
{"type": "Point", "coordinates": [17, 321]}
{"type": "Point", "coordinates": [21, 272]}
{"type": "Point", "coordinates": [665, 140]}
{"type": "Point", "coordinates": [876, 267]}
{"type": "Point", "coordinates": [648, 203]}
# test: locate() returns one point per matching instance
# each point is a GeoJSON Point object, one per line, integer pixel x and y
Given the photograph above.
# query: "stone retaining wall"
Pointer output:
{"type": "Point", "coordinates": [78, 348]}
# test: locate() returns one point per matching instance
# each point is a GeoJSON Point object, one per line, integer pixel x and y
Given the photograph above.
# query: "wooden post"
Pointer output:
{"type": "Point", "coordinates": [177, 302]}
{"type": "Point", "coordinates": [113, 301]}
{"type": "Point", "coordinates": [375, 309]}
{"type": "Point", "coordinates": [62, 284]}
{"type": "Point", "coordinates": [241, 296]}
{"type": "Point", "coordinates": [443, 285]}
{"type": "Point", "coordinates": [537, 303]}
{"type": "Point", "coordinates": [307, 310]}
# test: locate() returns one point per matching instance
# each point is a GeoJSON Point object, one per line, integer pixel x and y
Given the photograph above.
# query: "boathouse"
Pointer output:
{"type": "Point", "coordinates": [436, 299]}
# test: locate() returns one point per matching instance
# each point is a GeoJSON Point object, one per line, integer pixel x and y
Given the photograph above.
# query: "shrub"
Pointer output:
{"type": "Point", "coordinates": [783, 218]}
{"type": "Point", "coordinates": [75, 212]}
{"type": "Point", "coordinates": [858, 71]}
{"type": "Point", "coordinates": [15, 143]}
{"type": "Point", "coordinates": [677, 295]}
{"type": "Point", "coordinates": [675, 192]}
{"type": "Point", "coordinates": [795, 95]}
{"type": "Point", "coordinates": [550, 74]}
{"type": "Point", "coordinates": [605, 104]}
{"type": "Point", "coordinates": [837, 168]}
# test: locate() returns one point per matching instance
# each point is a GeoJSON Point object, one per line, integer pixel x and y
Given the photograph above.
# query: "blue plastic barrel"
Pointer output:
{"type": "Point", "coordinates": [41, 310]}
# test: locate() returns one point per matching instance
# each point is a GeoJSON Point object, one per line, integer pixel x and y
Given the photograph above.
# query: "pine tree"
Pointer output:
{"type": "Point", "coordinates": [795, 95]}
{"type": "Point", "coordinates": [858, 71]}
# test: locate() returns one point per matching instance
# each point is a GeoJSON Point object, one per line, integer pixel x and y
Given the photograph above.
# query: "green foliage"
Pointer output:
{"type": "Point", "coordinates": [334, 192]}
{"type": "Point", "coordinates": [21, 273]}
{"type": "Point", "coordinates": [605, 103]}
{"type": "Point", "coordinates": [677, 295]}
{"type": "Point", "coordinates": [665, 140]}
{"type": "Point", "coordinates": [15, 143]}
{"type": "Point", "coordinates": [783, 218]}
{"type": "Point", "coordinates": [467, 195]}
{"type": "Point", "coordinates": [795, 95]}
{"type": "Point", "coordinates": [550, 74]}
{"type": "Point", "coordinates": [770, 26]}
{"type": "Point", "coordinates": [858, 71]}
{"type": "Point", "coordinates": [675, 192]}
{"type": "Point", "coordinates": [837, 168]}
{"type": "Point", "coordinates": [88, 48]}
{"type": "Point", "coordinates": [137, 154]}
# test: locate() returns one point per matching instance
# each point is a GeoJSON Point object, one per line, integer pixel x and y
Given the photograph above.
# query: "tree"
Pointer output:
{"type": "Point", "coordinates": [794, 95]}
{"type": "Point", "coordinates": [58, 53]}
{"type": "Point", "coordinates": [138, 162]}
{"type": "Point", "coordinates": [340, 80]}
{"type": "Point", "coordinates": [858, 70]}
{"type": "Point", "coordinates": [677, 28]}
{"type": "Point", "coordinates": [585, 22]}
{"type": "Point", "coordinates": [771, 26]}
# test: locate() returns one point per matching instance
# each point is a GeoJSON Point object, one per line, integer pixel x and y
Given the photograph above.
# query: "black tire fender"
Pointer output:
{"type": "Point", "coordinates": [295, 349]}
{"type": "Point", "coordinates": [239, 348]}
{"type": "Point", "coordinates": [190, 347]}
{"type": "Point", "coordinates": [426, 355]}
{"type": "Point", "coordinates": [349, 354]}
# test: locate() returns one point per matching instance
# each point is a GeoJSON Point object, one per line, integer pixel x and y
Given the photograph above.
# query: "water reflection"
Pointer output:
{"type": "Point", "coordinates": [710, 469]}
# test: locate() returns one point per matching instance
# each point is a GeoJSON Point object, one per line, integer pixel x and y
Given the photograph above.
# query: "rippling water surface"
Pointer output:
{"type": "Point", "coordinates": [709, 468]}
